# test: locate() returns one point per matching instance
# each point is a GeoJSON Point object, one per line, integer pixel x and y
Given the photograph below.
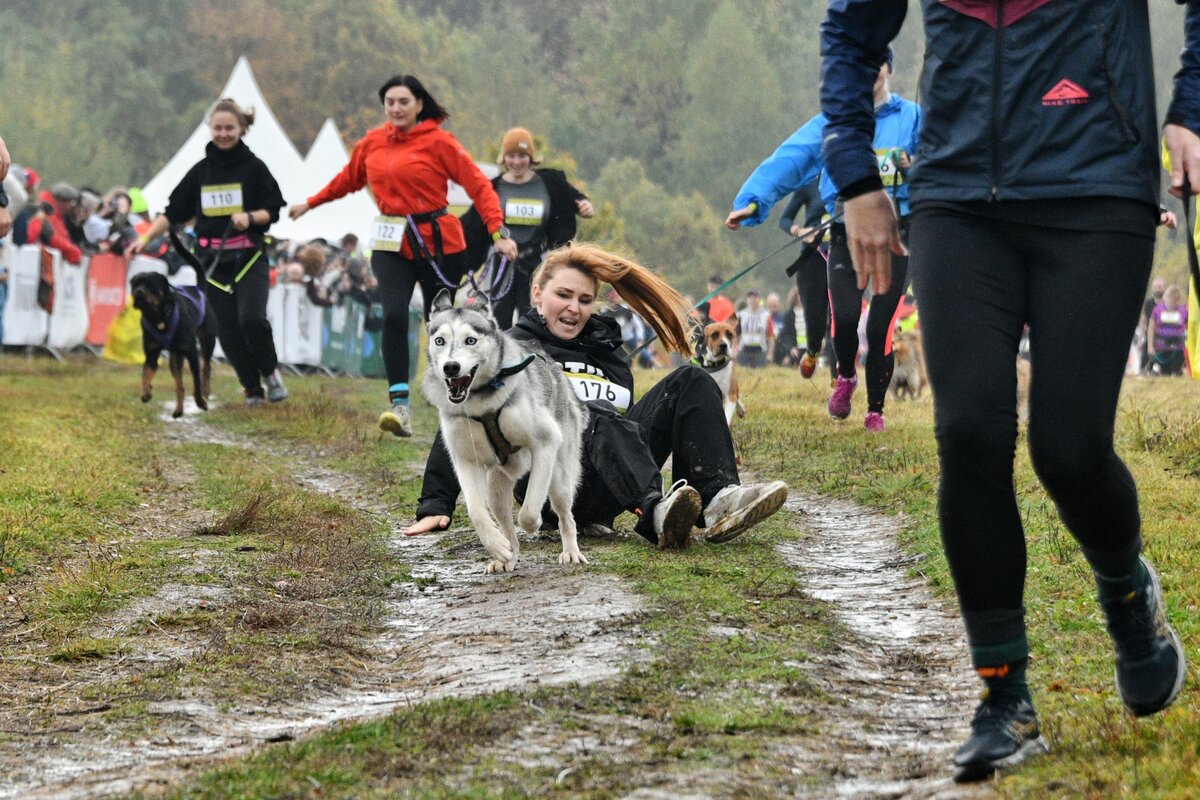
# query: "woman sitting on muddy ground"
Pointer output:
{"type": "Point", "coordinates": [626, 443]}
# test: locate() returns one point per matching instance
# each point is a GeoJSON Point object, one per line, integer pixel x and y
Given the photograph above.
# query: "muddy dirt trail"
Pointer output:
{"type": "Point", "coordinates": [900, 673]}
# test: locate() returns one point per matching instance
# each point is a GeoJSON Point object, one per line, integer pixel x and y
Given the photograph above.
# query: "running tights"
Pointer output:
{"type": "Point", "coordinates": [845, 301]}
{"type": "Point", "coordinates": [980, 282]}
{"type": "Point", "coordinates": [397, 276]}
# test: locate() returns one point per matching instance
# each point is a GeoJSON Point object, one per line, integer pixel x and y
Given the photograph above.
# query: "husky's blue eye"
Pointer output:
{"type": "Point", "coordinates": [471, 340]}
{"type": "Point", "coordinates": [439, 341]}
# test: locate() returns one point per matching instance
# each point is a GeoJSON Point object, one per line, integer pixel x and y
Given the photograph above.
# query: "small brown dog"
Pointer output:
{"type": "Point", "coordinates": [908, 375]}
{"type": "Point", "coordinates": [715, 353]}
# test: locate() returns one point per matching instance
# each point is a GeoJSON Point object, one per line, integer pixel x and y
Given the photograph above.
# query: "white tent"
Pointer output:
{"type": "Point", "coordinates": [299, 178]}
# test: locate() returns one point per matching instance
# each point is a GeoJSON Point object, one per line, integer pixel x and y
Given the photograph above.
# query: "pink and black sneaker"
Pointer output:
{"type": "Point", "coordinates": [839, 401]}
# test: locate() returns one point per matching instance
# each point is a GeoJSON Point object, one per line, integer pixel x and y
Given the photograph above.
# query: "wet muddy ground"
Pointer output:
{"type": "Point", "coordinates": [900, 677]}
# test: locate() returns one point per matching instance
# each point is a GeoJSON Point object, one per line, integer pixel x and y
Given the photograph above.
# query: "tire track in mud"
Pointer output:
{"type": "Point", "coordinates": [902, 671]}
{"type": "Point", "coordinates": [451, 632]}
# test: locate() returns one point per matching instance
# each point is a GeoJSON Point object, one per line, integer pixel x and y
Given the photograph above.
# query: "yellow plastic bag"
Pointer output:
{"type": "Point", "coordinates": [123, 341]}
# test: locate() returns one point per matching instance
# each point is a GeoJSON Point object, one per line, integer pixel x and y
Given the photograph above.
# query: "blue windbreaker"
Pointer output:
{"type": "Point", "coordinates": [1023, 99]}
{"type": "Point", "coordinates": [799, 159]}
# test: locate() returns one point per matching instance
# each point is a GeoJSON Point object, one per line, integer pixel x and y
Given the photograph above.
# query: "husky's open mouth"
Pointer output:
{"type": "Point", "coordinates": [457, 388]}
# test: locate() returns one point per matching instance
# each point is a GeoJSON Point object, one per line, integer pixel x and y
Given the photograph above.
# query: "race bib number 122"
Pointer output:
{"type": "Point", "coordinates": [387, 233]}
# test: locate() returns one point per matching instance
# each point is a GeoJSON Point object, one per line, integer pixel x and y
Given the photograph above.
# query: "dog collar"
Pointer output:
{"type": "Point", "coordinates": [507, 372]}
{"type": "Point", "coordinates": [713, 367]}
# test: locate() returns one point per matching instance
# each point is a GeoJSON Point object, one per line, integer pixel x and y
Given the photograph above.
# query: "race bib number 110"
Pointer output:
{"type": "Point", "coordinates": [221, 200]}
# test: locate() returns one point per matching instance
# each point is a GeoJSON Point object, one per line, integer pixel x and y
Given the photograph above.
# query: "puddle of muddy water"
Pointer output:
{"type": "Point", "coordinates": [452, 632]}
{"type": "Point", "coordinates": [903, 671]}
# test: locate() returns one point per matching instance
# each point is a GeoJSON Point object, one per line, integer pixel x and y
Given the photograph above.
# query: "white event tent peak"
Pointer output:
{"type": "Point", "coordinates": [299, 178]}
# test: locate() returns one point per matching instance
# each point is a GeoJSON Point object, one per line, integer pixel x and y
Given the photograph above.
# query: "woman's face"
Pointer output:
{"type": "Point", "coordinates": [565, 301]}
{"type": "Point", "coordinates": [226, 130]}
{"type": "Point", "coordinates": [402, 107]}
{"type": "Point", "coordinates": [517, 164]}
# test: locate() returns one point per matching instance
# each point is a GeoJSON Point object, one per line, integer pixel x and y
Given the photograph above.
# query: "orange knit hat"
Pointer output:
{"type": "Point", "coordinates": [518, 140]}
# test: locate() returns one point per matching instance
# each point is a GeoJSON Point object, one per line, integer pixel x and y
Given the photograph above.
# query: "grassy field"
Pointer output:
{"type": "Point", "coordinates": [87, 475]}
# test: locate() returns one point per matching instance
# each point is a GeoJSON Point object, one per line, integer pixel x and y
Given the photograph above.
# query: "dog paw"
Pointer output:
{"type": "Point", "coordinates": [494, 567]}
{"type": "Point", "coordinates": [571, 557]}
{"type": "Point", "coordinates": [145, 397]}
{"type": "Point", "coordinates": [202, 404]}
{"type": "Point", "coordinates": [177, 413]}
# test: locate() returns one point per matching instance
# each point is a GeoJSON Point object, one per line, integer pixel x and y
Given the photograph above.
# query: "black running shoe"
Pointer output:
{"type": "Point", "coordinates": [1150, 661]}
{"type": "Point", "coordinates": [1003, 734]}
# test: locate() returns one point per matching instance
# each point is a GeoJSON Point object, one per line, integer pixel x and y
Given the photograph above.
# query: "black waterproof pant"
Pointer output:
{"type": "Point", "coordinates": [517, 298]}
{"type": "Point", "coordinates": [397, 276]}
{"type": "Point", "coordinates": [845, 300]}
{"type": "Point", "coordinates": [241, 312]}
{"type": "Point", "coordinates": [680, 417]}
{"type": "Point", "coordinates": [980, 282]}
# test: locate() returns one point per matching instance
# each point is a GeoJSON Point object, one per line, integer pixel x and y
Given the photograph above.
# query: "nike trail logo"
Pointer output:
{"type": "Point", "coordinates": [1066, 93]}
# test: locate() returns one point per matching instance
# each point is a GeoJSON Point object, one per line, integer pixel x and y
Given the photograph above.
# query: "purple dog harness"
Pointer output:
{"type": "Point", "coordinates": [196, 297]}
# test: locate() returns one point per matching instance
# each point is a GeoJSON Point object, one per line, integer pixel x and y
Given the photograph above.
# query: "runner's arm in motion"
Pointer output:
{"type": "Point", "coordinates": [854, 42]}
{"type": "Point", "coordinates": [5, 159]}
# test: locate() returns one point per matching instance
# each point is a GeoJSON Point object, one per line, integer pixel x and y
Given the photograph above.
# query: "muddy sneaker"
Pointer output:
{"type": "Point", "coordinates": [735, 509]}
{"type": "Point", "coordinates": [1004, 733]}
{"type": "Point", "coordinates": [276, 391]}
{"type": "Point", "coordinates": [808, 364]}
{"type": "Point", "coordinates": [396, 421]}
{"type": "Point", "coordinates": [839, 401]}
{"type": "Point", "coordinates": [675, 515]}
{"type": "Point", "coordinates": [1150, 661]}
{"type": "Point", "coordinates": [873, 422]}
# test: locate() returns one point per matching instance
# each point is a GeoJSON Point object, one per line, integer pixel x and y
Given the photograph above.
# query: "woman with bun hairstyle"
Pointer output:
{"type": "Point", "coordinates": [407, 163]}
{"type": "Point", "coordinates": [626, 443]}
{"type": "Point", "coordinates": [234, 199]}
{"type": "Point", "coordinates": [539, 208]}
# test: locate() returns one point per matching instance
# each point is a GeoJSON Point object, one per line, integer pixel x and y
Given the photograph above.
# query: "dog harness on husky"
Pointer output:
{"type": "Point", "coordinates": [490, 421]}
{"type": "Point", "coordinates": [166, 333]}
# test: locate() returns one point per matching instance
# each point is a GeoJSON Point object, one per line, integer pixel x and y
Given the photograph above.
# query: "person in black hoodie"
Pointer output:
{"type": "Point", "coordinates": [234, 199]}
{"type": "Point", "coordinates": [539, 208]}
{"type": "Point", "coordinates": [626, 443]}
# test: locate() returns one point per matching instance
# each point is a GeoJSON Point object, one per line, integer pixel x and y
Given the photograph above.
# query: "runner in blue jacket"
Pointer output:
{"type": "Point", "coordinates": [1037, 177]}
{"type": "Point", "coordinates": [796, 162]}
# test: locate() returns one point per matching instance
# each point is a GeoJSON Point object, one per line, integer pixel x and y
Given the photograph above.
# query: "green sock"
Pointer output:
{"type": "Point", "coordinates": [1002, 667]}
{"type": "Point", "coordinates": [1123, 585]}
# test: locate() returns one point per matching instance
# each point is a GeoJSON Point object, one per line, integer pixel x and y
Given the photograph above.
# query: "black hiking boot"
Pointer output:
{"type": "Point", "coordinates": [1150, 661]}
{"type": "Point", "coordinates": [1003, 734]}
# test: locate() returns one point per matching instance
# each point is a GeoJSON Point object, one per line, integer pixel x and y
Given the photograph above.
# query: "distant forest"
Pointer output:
{"type": "Point", "coordinates": [658, 108]}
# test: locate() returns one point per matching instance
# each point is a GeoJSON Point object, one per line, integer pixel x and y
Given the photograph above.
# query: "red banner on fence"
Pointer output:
{"type": "Point", "coordinates": [105, 294]}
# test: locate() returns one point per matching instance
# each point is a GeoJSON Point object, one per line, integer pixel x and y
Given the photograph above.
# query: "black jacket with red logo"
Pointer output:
{"type": "Point", "coordinates": [1022, 99]}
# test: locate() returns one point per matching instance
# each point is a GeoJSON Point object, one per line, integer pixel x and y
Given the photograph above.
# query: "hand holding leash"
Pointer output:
{"type": "Point", "coordinates": [506, 247]}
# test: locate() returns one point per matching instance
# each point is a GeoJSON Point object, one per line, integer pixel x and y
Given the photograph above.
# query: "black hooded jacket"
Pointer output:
{"type": "Point", "coordinates": [597, 351]}
{"type": "Point", "coordinates": [223, 168]}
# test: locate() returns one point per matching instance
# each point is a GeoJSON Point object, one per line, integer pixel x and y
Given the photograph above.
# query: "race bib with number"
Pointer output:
{"type": "Point", "coordinates": [524, 212]}
{"type": "Point", "coordinates": [590, 387]}
{"type": "Point", "coordinates": [387, 233]}
{"type": "Point", "coordinates": [221, 200]}
{"type": "Point", "coordinates": [889, 166]}
{"type": "Point", "coordinates": [1170, 317]}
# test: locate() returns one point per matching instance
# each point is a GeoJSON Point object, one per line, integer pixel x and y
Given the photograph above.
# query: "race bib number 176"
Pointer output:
{"type": "Point", "coordinates": [590, 387]}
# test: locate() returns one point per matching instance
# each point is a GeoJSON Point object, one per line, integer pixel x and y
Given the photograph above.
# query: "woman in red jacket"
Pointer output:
{"type": "Point", "coordinates": [407, 162]}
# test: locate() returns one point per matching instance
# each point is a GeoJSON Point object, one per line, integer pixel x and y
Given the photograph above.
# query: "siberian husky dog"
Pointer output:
{"type": "Point", "coordinates": [506, 411]}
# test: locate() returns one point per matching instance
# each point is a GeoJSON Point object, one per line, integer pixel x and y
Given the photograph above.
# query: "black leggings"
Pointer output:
{"type": "Point", "coordinates": [517, 297]}
{"type": "Point", "coordinates": [812, 281]}
{"type": "Point", "coordinates": [397, 276]}
{"type": "Point", "coordinates": [242, 324]}
{"type": "Point", "coordinates": [845, 301]}
{"type": "Point", "coordinates": [980, 282]}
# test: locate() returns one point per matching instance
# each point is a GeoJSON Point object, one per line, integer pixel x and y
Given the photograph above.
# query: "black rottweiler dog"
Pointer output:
{"type": "Point", "coordinates": [176, 320]}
